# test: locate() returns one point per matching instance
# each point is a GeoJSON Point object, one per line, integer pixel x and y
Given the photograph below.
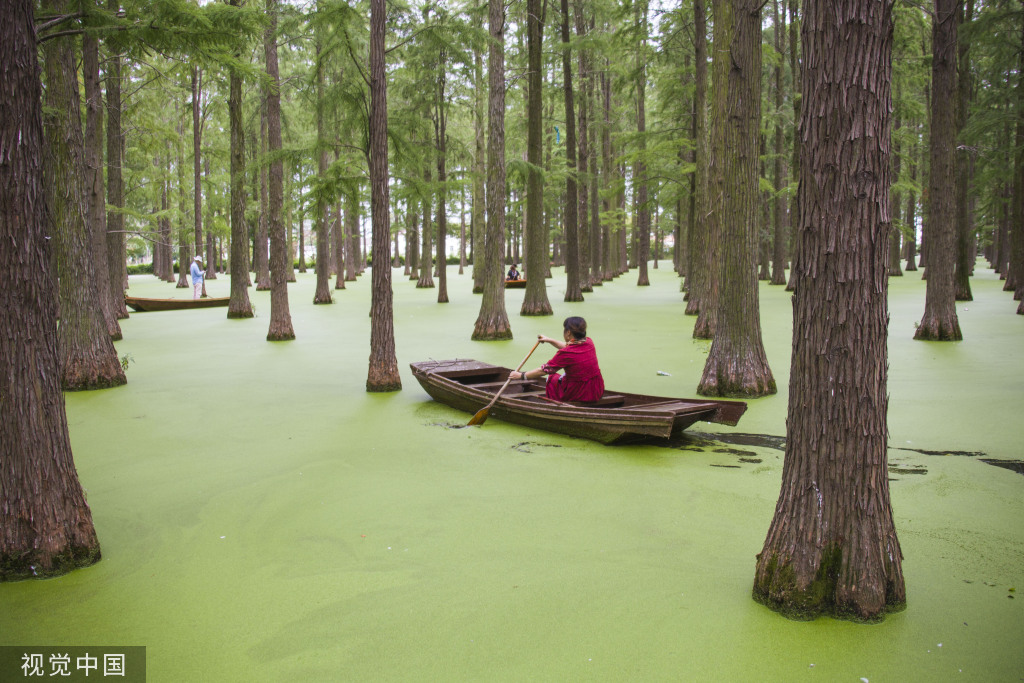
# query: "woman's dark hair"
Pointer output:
{"type": "Point", "coordinates": [575, 326]}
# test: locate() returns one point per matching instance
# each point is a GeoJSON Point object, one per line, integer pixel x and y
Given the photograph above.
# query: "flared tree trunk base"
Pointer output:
{"type": "Point", "coordinates": [491, 330]}
{"type": "Point", "coordinates": [380, 380]}
{"type": "Point", "coordinates": [692, 305]}
{"type": "Point", "coordinates": [935, 329]}
{"type": "Point", "coordinates": [85, 375]}
{"type": "Point", "coordinates": [323, 297]}
{"type": "Point", "coordinates": [478, 289]}
{"type": "Point", "coordinates": [425, 284]}
{"type": "Point", "coordinates": [704, 328]}
{"type": "Point", "coordinates": [832, 592]}
{"type": "Point", "coordinates": [39, 563]}
{"type": "Point", "coordinates": [536, 308]}
{"type": "Point", "coordinates": [726, 380]}
{"type": "Point", "coordinates": [240, 312]}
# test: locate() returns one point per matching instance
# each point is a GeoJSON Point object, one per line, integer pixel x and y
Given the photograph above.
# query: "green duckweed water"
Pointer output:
{"type": "Point", "coordinates": [262, 518]}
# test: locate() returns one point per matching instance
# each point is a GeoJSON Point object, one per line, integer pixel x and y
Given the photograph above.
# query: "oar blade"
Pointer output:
{"type": "Point", "coordinates": [480, 417]}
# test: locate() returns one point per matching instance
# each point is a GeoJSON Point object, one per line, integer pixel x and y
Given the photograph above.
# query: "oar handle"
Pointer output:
{"type": "Point", "coordinates": [497, 395]}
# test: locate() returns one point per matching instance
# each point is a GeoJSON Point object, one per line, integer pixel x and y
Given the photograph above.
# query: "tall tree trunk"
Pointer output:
{"type": "Point", "coordinates": [322, 205]}
{"type": "Point", "coordinates": [911, 220]}
{"type": "Point", "coordinates": [964, 225]}
{"type": "Point", "coordinates": [595, 257]}
{"type": "Point", "coordinates": [643, 210]}
{"type": "Point", "coordinates": [896, 204]}
{"type": "Point", "coordinates": [535, 299]}
{"type": "Point", "coordinates": [261, 260]}
{"type": "Point", "coordinates": [46, 526]}
{"type": "Point", "coordinates": [492, 322]}
{"type": "Point", "coordinates": [96, 200]}
{"type": "Point", "coordinates": [426, 279]}
{"type": "Point", "coordinates": [88, 358]}
{"type": "Point", "coordinates": [583, 155]}
{"type": "Point", "coordinates": [116, 265]}
{"type": "Point", "coordinates": [1016, 261]}
{"type": "Point", "coordinates": [197, 189]}
{"type": "Point", "coordinates": [239, 306]}
{"type": "Point", "coordinates": [698, 245]}
{"type": "Point", "coordinates": [737, 364]}
{"type": "Point", "coordinates": [832, 546]}
{"type": "Point", "coordinates": [382, 374]}
{"type": "Point", "coordinates": [280, 259]}
{"type": "Point", "coordinates": [794, 205]}
{"type": "Point", "coordinates": [183, 229]}
{"type": "Point", "coordinates": [939, 322]}
{"type": "Point", "coordinates": [441, 144]}
{"type": "Point", "coordinates": [462, 230]}
{"type": "Point", "coordinates": [707, 313]}
{"type": "Point", "coordinates": [167, 255]}
{"type": "Point", "coordinates": [608, 252]}
{"type": "Point", "coordinates": [573, 289]}
{"type": "Point", "coordinates": [339, 244]}
{"type": "Point", "coordinates": [477, 221]}
{"type": "Point", "coordinates": [780, 215]}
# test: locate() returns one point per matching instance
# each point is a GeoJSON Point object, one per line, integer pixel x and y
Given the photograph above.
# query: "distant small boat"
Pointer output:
{"type": "Point", "coordinates": [618, 417]}
{"type": "Point", "coordinates": [138, 303]}
{"type": "Point", "coordinates": [515, 284]}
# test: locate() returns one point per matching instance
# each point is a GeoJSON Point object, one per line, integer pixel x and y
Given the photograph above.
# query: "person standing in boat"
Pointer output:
{"type": "Point", "coordinates": [197, 277]}
{"type": "Point", "coordinates": [576, 355]}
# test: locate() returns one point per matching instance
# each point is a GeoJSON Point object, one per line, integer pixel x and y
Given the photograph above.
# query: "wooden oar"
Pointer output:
{"type": "Point", "coordinates": [481, 415]}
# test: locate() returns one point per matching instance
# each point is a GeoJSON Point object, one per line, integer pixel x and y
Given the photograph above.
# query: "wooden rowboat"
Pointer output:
{"type": "Point", "coordinates": [515, 284]}
{"type": "Point", "coordinates": [140, 304]}
{"type": "Point", "coordinates": [618, 417]}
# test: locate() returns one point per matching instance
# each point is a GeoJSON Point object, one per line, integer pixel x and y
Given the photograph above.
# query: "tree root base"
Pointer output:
{"type": "Point", "coordinates": [33, 565]}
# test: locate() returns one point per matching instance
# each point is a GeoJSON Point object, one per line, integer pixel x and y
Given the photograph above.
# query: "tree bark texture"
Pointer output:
{"type": "Point", "coordinates": [492, 322]}
{"type": "Point", "coordinates": [535, 299]}
{"type": "Point", "coordinates": [96, 199]}
{"type": "Point", "coordinates": [88, 358]}
{"type": "Point", "coordinates": [116, 265]}
{"type": "Point", "coordinates": [239, 306]}
{"type": "Point", "coordinates": [779, 215]}
{"type": "Point", "coordinates": [707, 315]}
{"type": "Point", "coordinates": [964, 224]}
{"type": "Point", "coordinates": [939, 322]}
{"type": "Point", "coordinates": [478, 218]}
{"type": "Point", "coordinates": [280, 257]}
{"type": "Point", "coordinates": [46, 526]}
{"type": "Point", "coordinates": [573, 289]}
{"type": "Point", "coordinates": [383, 369]}
{"type": "Point", "coordinates": [832, 547]}
{"type": "Point", "coordinates": [441, 144]}
{"type": "Point", "coordinates": [261, 259]}
{"type": "Point", "coordinates": [322, 206]}
{"type": "Point", "coordinates": [643, 210]}
{"type": "Point", "coordinates": [183, 230]}
{"type": "Point", "coordinates": [737, 364]}
{"type": "Point", "coordinates": [699, 245]}
{"type": "Point", "coordinates": [426, 279]}
{"type": "Point", "coordinates": [583, 152]}
{"type": "Point", "coordinates": [197, 187]}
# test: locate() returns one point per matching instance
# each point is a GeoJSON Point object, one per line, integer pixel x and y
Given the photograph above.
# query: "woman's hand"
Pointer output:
{"type": "Point", "coordinates": [545, 340]}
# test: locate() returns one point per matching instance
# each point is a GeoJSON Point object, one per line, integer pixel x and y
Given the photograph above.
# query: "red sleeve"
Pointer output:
{"type": "Point", "coordinates": [558, 361]}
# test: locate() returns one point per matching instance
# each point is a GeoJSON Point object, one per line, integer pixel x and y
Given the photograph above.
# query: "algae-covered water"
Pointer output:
{"type": "Point", "coordinates": [263, 518]}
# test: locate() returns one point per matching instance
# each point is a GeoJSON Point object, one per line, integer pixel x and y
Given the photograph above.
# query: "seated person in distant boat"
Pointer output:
{"type": "Point", "coordinates": [576, 355]}
{"type": "Point", "coordinates": [513, 273]}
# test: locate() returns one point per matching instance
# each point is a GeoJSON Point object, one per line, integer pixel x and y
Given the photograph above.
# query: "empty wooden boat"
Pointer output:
{"type": "Point", "coordinates": [618, 417]}
{"type": "Point", "coordinates": [138, 303]}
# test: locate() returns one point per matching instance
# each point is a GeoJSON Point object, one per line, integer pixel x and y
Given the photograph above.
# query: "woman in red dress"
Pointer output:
{"type": "Point", "coordinates": [576, 355]}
